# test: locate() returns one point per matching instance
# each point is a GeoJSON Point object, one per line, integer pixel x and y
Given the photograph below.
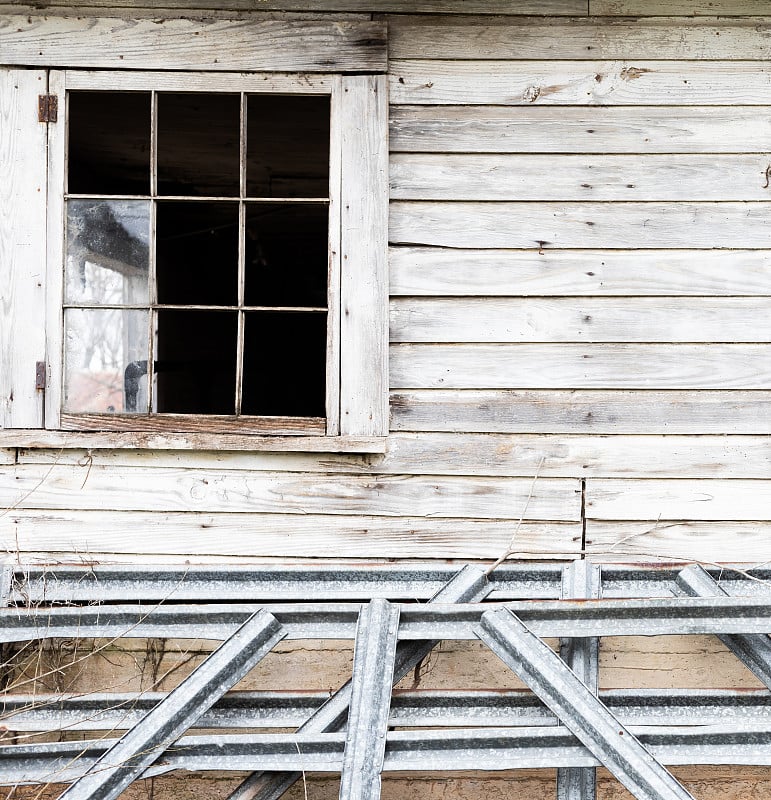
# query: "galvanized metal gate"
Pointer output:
{"type": "Point", "coordinates": [395, 615]}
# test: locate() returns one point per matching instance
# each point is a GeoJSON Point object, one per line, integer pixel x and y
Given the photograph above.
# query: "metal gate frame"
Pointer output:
{"type": "Point", "coordinates": [565, 723]}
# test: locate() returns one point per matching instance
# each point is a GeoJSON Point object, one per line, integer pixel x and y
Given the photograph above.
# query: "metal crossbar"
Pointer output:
{"type": "Point", "coordinates": [634, 733]}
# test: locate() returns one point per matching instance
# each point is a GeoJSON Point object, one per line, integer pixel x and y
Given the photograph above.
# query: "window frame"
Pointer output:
{"type": "Point", "coordinates": [357, 325]}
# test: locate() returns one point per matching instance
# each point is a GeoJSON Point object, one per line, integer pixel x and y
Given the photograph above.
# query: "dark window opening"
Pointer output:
{"type": "Point", "coordinates": [231, 230]}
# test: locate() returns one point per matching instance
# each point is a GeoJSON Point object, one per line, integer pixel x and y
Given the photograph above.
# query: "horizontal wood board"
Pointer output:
{"type": "Point", "coordinates": [581, 38]}
{"type": "Point", "coordinates": [460, 272]}
{"type": "Point", "coordinates": [580, 83]}
{"type": "Point", "coordinates": [194, 44]}
{"type": "Point", "coordinates": [586, 319]}
{"type": "Point", "coordinates": [280, 536]}
{"type": "Point", "coordinates": [620, 225]}
{"type": "Point", "coordinates": [140, 489]}
{"type": "Point", "coordinates": [640, 411]}
{"type": "Point", "coordinates": [434, 176]}
{"type": "Point", "coordinates": [576, 366]}
{"type": "Point", "coordinates": [472, 454]}
{"type": "Point", "coordinates": [579, 129]}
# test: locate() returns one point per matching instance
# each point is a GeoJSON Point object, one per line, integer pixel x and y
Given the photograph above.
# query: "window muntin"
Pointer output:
{"type": "Point", "coordinates": [203, 217]}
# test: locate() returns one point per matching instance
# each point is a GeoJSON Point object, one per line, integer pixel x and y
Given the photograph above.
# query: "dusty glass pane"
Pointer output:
{"type": "Point", "coordinates": [107, 251]}
{"type": "Point", "coordinates": [105, 354]}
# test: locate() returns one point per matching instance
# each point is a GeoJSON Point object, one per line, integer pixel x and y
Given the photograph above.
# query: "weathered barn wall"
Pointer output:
{"type": "Point", "coordinates": [580, 289]}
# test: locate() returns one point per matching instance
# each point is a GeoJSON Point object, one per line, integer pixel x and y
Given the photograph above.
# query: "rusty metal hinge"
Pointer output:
{"type": "Point", "coordinates": [40, 375]}
{"type": "Point", "coordinates": [47, 108]}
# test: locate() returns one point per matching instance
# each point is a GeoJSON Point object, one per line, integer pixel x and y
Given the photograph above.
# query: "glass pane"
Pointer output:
{"type": "Point", "coordinates": [284, 364]}
{"type": "Point", "coordinates": [197, 253]}
{"type": "Point", "coordinates": [107, 251]}
{"type": "Point", "coordinates": [286, 254]}
{"type": "Point", "coordinates": [287, 146]}
{"type": "Point", "coordinates": [196, 365]}
{"type": "Point", "coordinates": [108, 143]}
{"type": "Point", "coordinates": [199, 144]}
{"type": "Point", "coordinates": [105, 361]}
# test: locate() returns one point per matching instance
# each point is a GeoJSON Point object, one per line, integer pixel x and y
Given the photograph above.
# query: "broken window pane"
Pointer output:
{"type": "Point", "coordinates": [199, 144]}
{"type": "Point", "coordinates": [108, 143]}
{"type": "Point", "coordinates": [286, 254]}
{"type": "Point", "coordinates": [285, 364]}
{"type": "Point", "coordinates": [196, 361]}
{"type": "Point", "coordinates": [287, 147]}
{"type": "Point", "coordinates": [105, 354]}
{"type": "Point", "coordinates": [108, 244]}
{"type": "Point", "coordinates": [197, 253]}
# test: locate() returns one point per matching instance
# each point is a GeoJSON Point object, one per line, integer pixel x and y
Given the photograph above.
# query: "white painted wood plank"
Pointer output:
{"type": "Point", "coordinates": [581, 225]}
{"type": "Point", "coordinates": [272, 82]}
{"type": "Point", "coordinates": [433, 176]}
{"type": "Point", "coordinates": [642, 8]}
{"type": "Point", "coordinates": [589, 319]}
{"type": "Point", "coordinates": [590, 411]}
{"type": "Point", "coordinates": [654, 500]}
{"type": "Point", "coordinates": [364, 279]}
{"type": "Point", "coordinates": [579, 82]}
{"type": "Point", "coordinates": [138, 489]}
{"type": "Point", "coordinates": [192, 44]}
{"type": "Point", "coordinates": [426, 271]}
{"type": "Point", "coordinates": [55, 231]}
{"type": "Point", "coordinates": [715, 542]}
{"type": "Point", "coordinates": [22, 246]}
{"type": "Point", "coordinates": [596, 129]}
{"type": "Point", "coordinates": [274, 535]}
{"type": "Point", "coordinates": [524, 7]}
{"type": "Point", "coordinates": [494, 455]}
{"type": "Point", "coordinates": [580, 38]}
{"type": "Point", "coordinates": [577, 366]}
{"type": "Point", "coordinates": [7, 456]}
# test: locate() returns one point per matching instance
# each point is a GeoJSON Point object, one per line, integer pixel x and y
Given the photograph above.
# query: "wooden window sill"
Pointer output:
{"type": "Point", "coordinates": [156, 440]}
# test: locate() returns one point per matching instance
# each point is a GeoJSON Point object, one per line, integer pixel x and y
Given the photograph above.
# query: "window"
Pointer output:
{"type": "Point", "coordinates": [219, 260]}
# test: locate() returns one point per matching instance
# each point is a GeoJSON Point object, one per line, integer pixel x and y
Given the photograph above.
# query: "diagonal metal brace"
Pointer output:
{"type": "Point", "coordinates": [373, 669]}
{"type": "Point", "coordinates": [578, 709]}
{"type": "Point", "coordinates": [580, 580]}
{"type": "Point", "coordinates": [753, 650]}
{"type": "Point", "coordinates": [127, 759]}
{"type": "Point", "coordinates": [469, 585]}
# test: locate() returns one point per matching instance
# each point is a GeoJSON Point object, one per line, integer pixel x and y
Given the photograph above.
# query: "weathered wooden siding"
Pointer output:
{"type": "Point", "coordinates": [580, 288]}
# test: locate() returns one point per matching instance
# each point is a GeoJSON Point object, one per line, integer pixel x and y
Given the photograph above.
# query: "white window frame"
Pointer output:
{"type": "Point", "coordinates": [357, 370]}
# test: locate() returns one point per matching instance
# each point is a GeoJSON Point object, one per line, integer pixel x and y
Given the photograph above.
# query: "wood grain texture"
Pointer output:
{"type": "Point", "coordinates": [719, 542]}
{"type": "Point", "coordinates": [22, 246]}
{"type": "Point", "coordinates": [643, 8]}
{"type": "Point", "coordinates": [274, 535]}
{"type": "Point", "coordinates": [576, 366]}
{"type": "Point", "coordinates": [428, 271]}
{"type": "Point", "coordinates": [246, 45]}
{"type": "Point", "coordinates": [364, 270]}
{"type": "Point", "coordinates": [7, 456]}
{"type": "Point", "coordinates": [139, 489]}
{"type": "Point", "coordinates": [595, 129]}
{"type": "Point", "coordinates": [433, 176]}
{"type": "Point", "coordinates": [474, 454]}
{"type": "Point", "coordinates": [579, 83]}
{"type": "Point", "coordinates": [540, 7]}
{"type": "Point", "coordinates": [580, 38]}
{"type": "Point", "coordinates": [581, 225]}
{"type": "Point", "coordinates": [588, 319]}
{"type": "Point", "coordinates": [738, 500]}
{"type": "Point", "coordinates": [591, 411]}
